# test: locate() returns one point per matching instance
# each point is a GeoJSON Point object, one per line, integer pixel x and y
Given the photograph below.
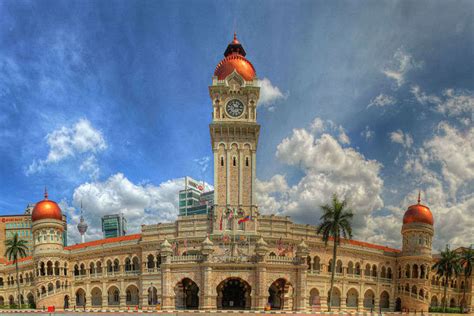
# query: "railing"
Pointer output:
{"type": "Point", "coordinates": [132, 272]}
{"type": "Point", "coordinates": [280, 259]}
{"type": "Point", "coordinates": [80, 276]}
{"type": "Point", "coordinates": [188, 258]}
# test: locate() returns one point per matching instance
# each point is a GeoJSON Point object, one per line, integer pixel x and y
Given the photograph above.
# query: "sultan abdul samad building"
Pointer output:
{"type": "Point", "coordinates": [234, 257]}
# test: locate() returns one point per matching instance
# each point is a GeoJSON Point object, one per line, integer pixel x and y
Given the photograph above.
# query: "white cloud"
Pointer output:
{"type": "Point", "coordinates": [404, 139]}
{"type": "Point", "coordinates": [402, 63]}
{"type": "Point", "coordinates": [456, 103]}
{"type": "Point", "coordinates": [454, 151]}
{"type": "Point", "coordinates": [367, 133]}
{"type": "Point", "coordinates": [422, 97]}
{"type": "Point", "coordinates": [66, 142]}
{"type": "Point", "coordinates": [382, 100]}
{"type": "Point", "coordinates": [444, 167]}
{"type": "Point", "coordinates": [269, 94]}
{"type": "Point", "coordinates": [140, 203]}
{"type": "Point", "coordinates": [328, 168]}
{"type": "Point", "coordinates": [453, 103]}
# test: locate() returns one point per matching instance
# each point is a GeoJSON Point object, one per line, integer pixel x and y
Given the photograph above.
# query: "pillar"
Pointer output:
{"type": "Point", "coordinates": [166, 295]}
{"type": "Point", "coordinates": [261, 297]}
{"type": "Point", "coordinates": [207, 300]}
{"type": "Point", "coordinates": [301, 295]}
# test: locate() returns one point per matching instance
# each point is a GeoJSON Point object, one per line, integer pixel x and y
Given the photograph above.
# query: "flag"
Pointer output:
{"type": "Point", "coordinates": [231, 214]}
{"type": "Point", "coordinates": [280, 244]}
{"type": "Point", "coordinates": [245, 219]}
{"type": "Point", "coordinates": [220, 225]}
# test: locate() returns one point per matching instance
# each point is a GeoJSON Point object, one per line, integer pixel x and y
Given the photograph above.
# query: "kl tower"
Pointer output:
{"type": "Point", "coordinates": [82, 227]}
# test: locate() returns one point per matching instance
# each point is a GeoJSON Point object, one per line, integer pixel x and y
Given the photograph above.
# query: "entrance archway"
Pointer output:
{"type": "Point", "coordinates": [352, 299]}
{"type": "Point", "coordinates": [66, 302]}
{"type": "Point", "coordinates": [281, 295]}
{"type": "Point", "coordinates": [398, 305]}
{"type": "Point", "coordinates": [131, 295]}
{"type": "Point", "coordinates": [96, 296]}
{"type": "Point", "coordinates": [186, 292]}
{"type": "Point", "coordinates": [233, 293]}
{"type": "Point", "coordinates": [384, 300]}
{"type": "Point", "coordinates": [314, 299]}
{"type": "Point", "coordinates": [152, 296]}
{"type": "Point", "coordinates": [80, 297]}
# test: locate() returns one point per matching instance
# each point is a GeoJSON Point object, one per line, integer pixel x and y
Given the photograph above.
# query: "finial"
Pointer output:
{"type": "Point", "coordinates": [45, 193]}
{"type": "Point", "coordinates": [419, 196]}
{"type": "Point", "coordinates": [235, 36]}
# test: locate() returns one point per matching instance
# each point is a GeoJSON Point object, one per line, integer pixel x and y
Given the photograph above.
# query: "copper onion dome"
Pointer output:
{"type": "Point", "coordinates": [46, 209]}
{"type": "Point", "coordinates": [235, 60]}
{"type": "Point", "coordinates": [418, 213]}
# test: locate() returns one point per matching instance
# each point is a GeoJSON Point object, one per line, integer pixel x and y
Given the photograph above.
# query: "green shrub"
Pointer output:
{"type": "Point", "coordinates": [439, 309]}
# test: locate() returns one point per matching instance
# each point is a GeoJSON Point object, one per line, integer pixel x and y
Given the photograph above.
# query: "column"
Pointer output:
{"type": "Point", "coordinates": [166, 295]}
{"type": "Point", "coordinates": [208, 301]}
{"type": "Point", "coordinates": [301, 295]}
{"type": "Point", "coordinates": [261, 297]}
{"type": "Point", "coordinates": [88, 296]}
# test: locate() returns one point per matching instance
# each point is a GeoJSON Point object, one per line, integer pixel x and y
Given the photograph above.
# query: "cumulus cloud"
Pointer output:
{"type": "Point", "coordinates": [77, 140]}
{"type": "Point", "coordinates": [140, 203]}
{"type": "Point", "coordinates": [401, 64]}
{"type": "Point", "coordinates": [382, 100]}
{"type": "Point", "coordinates": [327, 168]}
{"type": "Point", "coordinates": [269, 94]}
{"type": "Point", "coordinates": [444, 167]}
{"type": "Point", "coordinates": [399, 137]}
{"type": "Point", "coordinates": [452, 103]}
{"type": "Point", "coordinates": [454, 151]}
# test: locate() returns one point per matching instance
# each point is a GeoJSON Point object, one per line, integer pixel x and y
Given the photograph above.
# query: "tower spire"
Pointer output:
{"type": "Point", "coordinates": [45, 193]}
{"type": "Point", "coordinates": [419, 196]}
{"type": "Point", "coordinates": [82, 226]}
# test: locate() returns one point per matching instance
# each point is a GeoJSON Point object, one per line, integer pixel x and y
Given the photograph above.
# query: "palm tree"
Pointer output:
{"type": "Point", "coordinates": [335, 221]}
{"type": "Point", "coordinates": [466, 261]}
{"type": "Point", "coordinates": [16, 249]}
{"type": "Point", "coordinates": [447, 266]}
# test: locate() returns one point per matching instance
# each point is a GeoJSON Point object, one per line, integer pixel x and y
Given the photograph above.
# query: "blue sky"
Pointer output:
{"type": "Point", "coordinates": [107, 102]}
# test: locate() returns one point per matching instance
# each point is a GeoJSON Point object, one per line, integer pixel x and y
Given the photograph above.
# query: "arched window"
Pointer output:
{"type": "Point", "coordinates": [222, 161]}
{"type": "Point", "coordinates": [234, 161]}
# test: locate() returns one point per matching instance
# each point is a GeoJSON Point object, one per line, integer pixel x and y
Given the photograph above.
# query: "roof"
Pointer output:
{"type": "Point", "coordinates": [6, 262]}
{"type": "Point", "coordinates": [368, 245]}
{"type": "Point", "coordinates": [104, 241]}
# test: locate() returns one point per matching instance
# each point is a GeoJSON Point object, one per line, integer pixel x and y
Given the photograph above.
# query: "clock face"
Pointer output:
{"type": "Point", "coordinates": [234, 108]}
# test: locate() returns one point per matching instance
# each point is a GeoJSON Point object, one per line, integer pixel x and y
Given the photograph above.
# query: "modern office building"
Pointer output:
{"type": "Point", "coordinates": [114, 225]}
{"type": "Point", "coordinates": [193, 200]}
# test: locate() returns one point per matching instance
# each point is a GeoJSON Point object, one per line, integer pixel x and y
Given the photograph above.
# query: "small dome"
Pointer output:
{"type": "Point", "coordinates": [46, 209]}
{"type": "Point", "coordinates": [418, 213]}
{"type": "Point", "coordinates": [235, 60]}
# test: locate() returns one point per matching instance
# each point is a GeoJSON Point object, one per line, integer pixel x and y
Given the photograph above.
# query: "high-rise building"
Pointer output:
{"type": "Point", "coordinates": [114, 225]}
{"type": "Point", "coordinates": [193, 200]}
{"type": "Point", "coordinates": [21, 224]}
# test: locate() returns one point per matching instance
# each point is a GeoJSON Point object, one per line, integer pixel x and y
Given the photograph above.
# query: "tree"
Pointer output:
{"type": "Point", "coordinates": [335, 221]}
{"type": "Point", "coordinates": [466, 261]}
{"type": "Point", "coordinates": [16, 249]}
{"type": "Point", "coordinates": [448, 267]}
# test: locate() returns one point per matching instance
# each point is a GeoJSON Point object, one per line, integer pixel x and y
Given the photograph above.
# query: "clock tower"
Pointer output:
{"type": "Point", "coordinates": [234, 135]}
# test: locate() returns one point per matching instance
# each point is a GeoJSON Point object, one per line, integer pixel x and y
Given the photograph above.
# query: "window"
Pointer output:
{"type": "Point", "coordinates": [246, 161]}
{"type": "Point", "coordinates": [234, 161]}
{"type": "Point", "coordinates": [222, 161]}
